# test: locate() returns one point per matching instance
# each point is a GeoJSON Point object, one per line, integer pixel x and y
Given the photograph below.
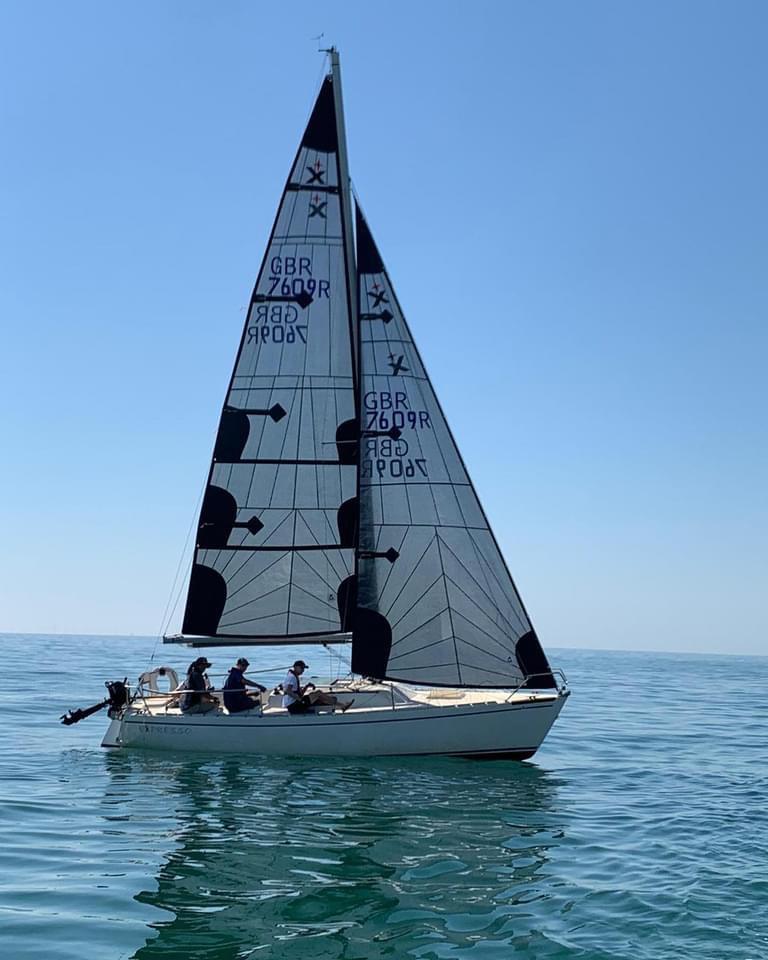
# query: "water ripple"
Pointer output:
{"type": "Point", "coordinates": [640, 832]}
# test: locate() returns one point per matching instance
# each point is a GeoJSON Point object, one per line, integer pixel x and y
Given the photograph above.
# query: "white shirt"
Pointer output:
{"type": "Point", "coordinates": [290, 688]}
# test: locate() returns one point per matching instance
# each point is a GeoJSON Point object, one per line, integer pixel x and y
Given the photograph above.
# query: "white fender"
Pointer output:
{"type": "Point", "coordinates": [149, 679]}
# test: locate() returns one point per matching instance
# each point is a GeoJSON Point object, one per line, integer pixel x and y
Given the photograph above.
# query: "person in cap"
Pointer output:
{"type": "Point", "coordinates": [236, 697]}
{"type": "Point", "coordinates": [301, 699]}
{"type": "Point", "coordinates": [197, 697]}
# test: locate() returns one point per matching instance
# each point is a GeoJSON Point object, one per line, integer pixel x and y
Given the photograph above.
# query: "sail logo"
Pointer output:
{"type": "Point", "coordinates": [378, 294]}
{"type": "Point", "coordinates": [397, 364]}
{"type": "Point", "coordinates": [316, 172]}
{"type": "Point", "coordinates": [317, 207]}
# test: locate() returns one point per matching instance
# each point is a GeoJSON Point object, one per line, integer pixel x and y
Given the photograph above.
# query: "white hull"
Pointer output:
{"type": "Point", "coordinates": [511, 728]}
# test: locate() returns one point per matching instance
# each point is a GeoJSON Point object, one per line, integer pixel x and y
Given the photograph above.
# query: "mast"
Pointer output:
{"type": "Point", "coordinates": [346, 211]}
{"type": "Point", "coordinates": [348, 592]}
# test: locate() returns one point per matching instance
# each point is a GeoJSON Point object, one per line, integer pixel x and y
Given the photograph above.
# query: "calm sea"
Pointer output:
{"type": "Point", "coordinates": [640, 830]}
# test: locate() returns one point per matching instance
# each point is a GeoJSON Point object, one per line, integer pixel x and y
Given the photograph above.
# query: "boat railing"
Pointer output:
{"type": "Point", "coordinates": [144, 691]}
{"type": "Point", "coordinates": [545, 673]}
{"type": "Point", "coordinates": [397, 696]}
{"type": "Point", "coordinates": [154, 699]}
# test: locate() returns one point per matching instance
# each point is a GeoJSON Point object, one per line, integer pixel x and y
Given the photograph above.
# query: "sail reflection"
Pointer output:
{"type": "Point", "coordinates": [259, 856]}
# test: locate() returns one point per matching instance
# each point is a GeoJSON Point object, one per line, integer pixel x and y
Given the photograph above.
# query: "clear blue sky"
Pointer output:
{"type": "Point", "coordinates": [571, 199]}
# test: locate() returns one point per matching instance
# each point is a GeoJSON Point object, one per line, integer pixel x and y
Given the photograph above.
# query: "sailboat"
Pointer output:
{"type": "Point", "coordinates": [338, 510]}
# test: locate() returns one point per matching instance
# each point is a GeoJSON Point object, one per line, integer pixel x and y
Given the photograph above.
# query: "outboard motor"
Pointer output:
{"type": "Point", "coordinates": [117, 699]}
{"type": "Point", "coordinates": [118, 695]}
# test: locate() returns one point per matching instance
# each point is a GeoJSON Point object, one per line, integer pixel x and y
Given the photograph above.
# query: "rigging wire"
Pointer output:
{"type": "Point", "coordinates": [324, 68]}
{"type": "Point", "coordinates": [167, 616]}
{"type": "Point", "coordinates": [343, 661]}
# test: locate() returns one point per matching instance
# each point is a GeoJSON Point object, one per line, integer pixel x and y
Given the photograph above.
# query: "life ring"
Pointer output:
{"type": "Point", "coordinates": [149, 679]}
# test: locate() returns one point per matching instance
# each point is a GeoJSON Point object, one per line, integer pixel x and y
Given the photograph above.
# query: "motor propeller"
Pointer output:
{"type": "Point", "coordinates": [117, 699]}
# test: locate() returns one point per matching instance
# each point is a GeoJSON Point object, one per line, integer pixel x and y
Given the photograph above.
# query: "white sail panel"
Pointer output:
{"type": "Point", "coordinates": [275, 543]}
{"type": "Point", "coordinates": [436, 603]}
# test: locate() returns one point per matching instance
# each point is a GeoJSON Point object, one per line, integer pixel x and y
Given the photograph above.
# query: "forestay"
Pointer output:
{"type": "Point", "coordinates": [436, 603]}
{"type": "Point", "coordinates": [277, 530]}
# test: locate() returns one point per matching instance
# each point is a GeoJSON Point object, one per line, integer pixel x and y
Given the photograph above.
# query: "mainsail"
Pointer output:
{"type": "Point", "coordinates": [436, 603]}
{"type": "Point", "coordinates": [274, 556]}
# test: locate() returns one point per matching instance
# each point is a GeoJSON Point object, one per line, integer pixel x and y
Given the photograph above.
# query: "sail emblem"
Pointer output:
{"type": "Point", "coordinates": [317, 207]}
{"type": "Point", "coordinates": [378, 294]}
{"type": "Point", "coordinates": [397, 365]}
{"type": "Point", "coordinates": [315, 172]}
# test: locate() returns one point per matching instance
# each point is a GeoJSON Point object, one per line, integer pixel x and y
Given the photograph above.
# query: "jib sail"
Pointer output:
{"type": "Point", "coordinates": [436, 603]}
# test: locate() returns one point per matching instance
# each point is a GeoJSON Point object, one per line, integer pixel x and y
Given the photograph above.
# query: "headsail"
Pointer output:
{"type": "Point", "coordinates": [278, 526]}
{"type": "Point", "coordinates": [436, 603]}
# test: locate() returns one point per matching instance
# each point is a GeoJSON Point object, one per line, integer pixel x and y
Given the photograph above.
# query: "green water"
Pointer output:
{"type": "Point", "coordinates": [639, 830]}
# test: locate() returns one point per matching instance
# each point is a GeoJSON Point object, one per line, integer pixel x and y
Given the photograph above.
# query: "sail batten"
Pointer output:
{"type": "Point", "coordinates": [445, 612]}
{"type": "Point", "coordinates": [283, 477]}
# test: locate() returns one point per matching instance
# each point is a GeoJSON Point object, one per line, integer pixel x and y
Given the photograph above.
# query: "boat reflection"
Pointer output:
{"type": "Point", "coordinates": [364, 860]}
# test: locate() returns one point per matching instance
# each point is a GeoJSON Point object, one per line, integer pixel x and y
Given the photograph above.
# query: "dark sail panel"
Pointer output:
{"type": "Point", "coordinates": [321, 133]}
{"type": "Point", "coordinates": [436, 603]}
{"type": "Point", "coordinates": [274, 542]}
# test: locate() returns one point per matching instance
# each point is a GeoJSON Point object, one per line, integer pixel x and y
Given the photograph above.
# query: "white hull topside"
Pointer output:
{"type": "Point", "coordinates": [394, 721]}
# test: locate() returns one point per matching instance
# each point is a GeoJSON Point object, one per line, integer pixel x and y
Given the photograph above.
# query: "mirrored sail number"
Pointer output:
{"type": "Point", "coordinates": [276, 323]}
{"type": "Point", "coordinates": [290, 276]}
{"type": "Point", "coordinates": [388, 459]}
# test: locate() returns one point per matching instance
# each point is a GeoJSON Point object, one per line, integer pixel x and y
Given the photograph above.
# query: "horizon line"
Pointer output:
{"type": "Point", "coordinates": [149, 636]}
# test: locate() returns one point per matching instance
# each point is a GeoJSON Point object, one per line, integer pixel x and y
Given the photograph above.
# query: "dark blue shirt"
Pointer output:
{"type": "Point", "coordinates": [195, 682]}
{"type": "Point", "coordinates": [235, 699]}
